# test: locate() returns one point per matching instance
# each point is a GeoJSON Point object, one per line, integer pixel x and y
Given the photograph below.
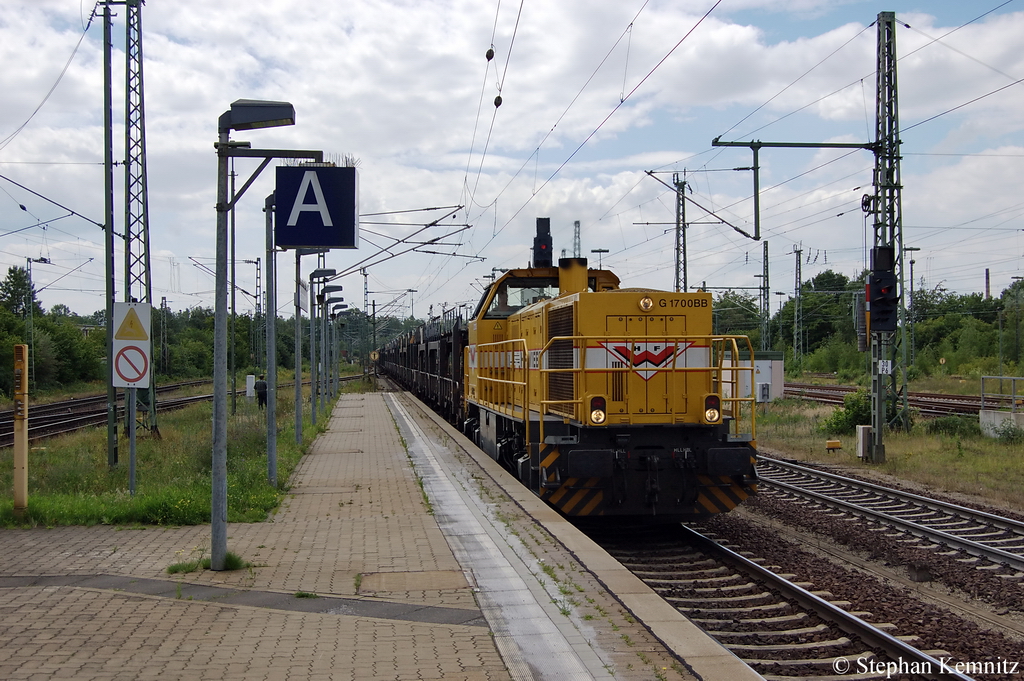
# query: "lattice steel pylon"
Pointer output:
{"type": "Point", "coordinates": [138, 282]}
{"type": "Point", "coordinates": [888, 387]}
{"type": "Point", "coordinates": [798, 321]}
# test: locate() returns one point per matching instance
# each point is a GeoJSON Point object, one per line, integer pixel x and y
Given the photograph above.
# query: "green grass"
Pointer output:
{"type": "Point", "coordinates": [71, 484]}
{"type": "Point", "coordinates": [184, 567]}
{"type": "Point", "coordinates": [232, 561]}
{"type": "Point", "coordinates": [957, 462]}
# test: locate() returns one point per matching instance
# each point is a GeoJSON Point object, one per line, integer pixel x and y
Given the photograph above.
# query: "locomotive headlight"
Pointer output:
{"type": "Point", "coordinates": [712, 409]}
{"type": "Point", "coordinates": [646, 304]}
{"type": "Point", "coordinates": [598, 413]}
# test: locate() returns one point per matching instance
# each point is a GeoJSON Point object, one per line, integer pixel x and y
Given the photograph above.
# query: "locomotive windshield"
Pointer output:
{"type": "Point", "coordinates": [514, 294]}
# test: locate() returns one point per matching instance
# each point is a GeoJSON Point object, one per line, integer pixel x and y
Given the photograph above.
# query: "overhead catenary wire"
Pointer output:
{"type": "Point", "coordinates": [7, 140]}
{"type": "Point", "coordinates": [565, 111]}
{"type": "Point", "coordinates": [607, 118]}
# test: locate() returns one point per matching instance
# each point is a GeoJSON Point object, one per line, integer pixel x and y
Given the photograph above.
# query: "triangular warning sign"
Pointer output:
{"type": "Point", "coordinates": [497, 326]}
{"type": "Point", "coordinates": [131, 328]}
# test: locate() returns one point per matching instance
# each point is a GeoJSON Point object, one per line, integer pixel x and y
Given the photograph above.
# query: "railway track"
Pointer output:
{"type": "Point", "coordinates": [996, 540]}
{"type": "Point", "coordinates": [928, 404]}
{"type": "Point", "coordinates": [68, 416]}
{"type": "Point", "coordinates": [782, 629]}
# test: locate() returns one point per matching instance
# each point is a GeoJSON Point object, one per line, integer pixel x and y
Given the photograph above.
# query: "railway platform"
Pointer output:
{"type": "Point", "coordinates": [400, 552]}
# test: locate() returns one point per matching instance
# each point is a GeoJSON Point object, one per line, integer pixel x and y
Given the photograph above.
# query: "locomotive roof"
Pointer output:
{"type": "Point", "coordinates": [606, 278]}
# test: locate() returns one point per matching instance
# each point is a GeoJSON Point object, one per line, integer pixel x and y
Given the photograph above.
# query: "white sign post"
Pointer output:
{"type": "Point", "coordinates": [132, 362]}
{"type": "Point", "coordinates": [132, 345]}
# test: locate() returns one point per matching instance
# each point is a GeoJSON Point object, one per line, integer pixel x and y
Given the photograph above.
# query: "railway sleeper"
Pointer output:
{"type": "Point", "coordinates": [697, 571]}
{"type": "Point", "coordinates": [771, 633]}
{"type": "Point", "coordinates": [738, 600]}
{"type": "Point", "coordinates": [783, 620]}
{"type": "Point", "coordinates": [728, 612]}
{"type": "Point", "coordinates": [827, 663]}
{"type": "Point", "coordinates": [840, 642]}
{"type": "Point", "coordinates": [687, 578]}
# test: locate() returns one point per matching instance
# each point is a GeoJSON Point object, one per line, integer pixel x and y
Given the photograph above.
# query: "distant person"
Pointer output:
{"type": "Point", "coordinates": [260, 387]}
{"type": "Point", "coordinates": [500, 306]}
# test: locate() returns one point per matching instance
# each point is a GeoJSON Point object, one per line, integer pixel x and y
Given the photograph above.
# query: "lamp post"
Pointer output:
{"type": "Point", "coordinates": [243, 115]}
{"type": "Point", "coordinates": [271, 340]}
{"type": "Point", "coordinates": [324, 375]}
{"type": "Point", "coordinates": [314, 277]}
{"type": "Point", "coordinates": [337, 339]}
{"type": "Point", "coordinates": [329, 354]}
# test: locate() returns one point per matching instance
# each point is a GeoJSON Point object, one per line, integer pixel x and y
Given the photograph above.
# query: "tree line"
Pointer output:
{"type": "Point", "coordinates": [949, 334]}
{"type": "Point", "coordinates": [960, 334]}
{"type": "Point", "coordinates": [68, 350]}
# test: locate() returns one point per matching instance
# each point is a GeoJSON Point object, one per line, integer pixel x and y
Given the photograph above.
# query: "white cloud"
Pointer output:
{"type": "Point", "coordinates": [398, 84]}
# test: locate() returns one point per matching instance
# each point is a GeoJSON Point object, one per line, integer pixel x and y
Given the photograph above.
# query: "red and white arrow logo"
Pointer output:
{"type": "Point", "coordinates": [646, 358]}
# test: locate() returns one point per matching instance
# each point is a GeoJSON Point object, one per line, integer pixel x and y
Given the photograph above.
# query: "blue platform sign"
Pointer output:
{"type": "Point", "coordinates": [317, 207]}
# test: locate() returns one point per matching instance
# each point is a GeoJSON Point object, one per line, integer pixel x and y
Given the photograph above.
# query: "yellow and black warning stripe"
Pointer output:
{"type": "Point", "coordinates": [718, 495]}
{"type": "Point", "coordinates": [578, 497]}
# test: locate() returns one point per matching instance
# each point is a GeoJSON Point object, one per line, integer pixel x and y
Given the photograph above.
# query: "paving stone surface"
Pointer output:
{"type": "Point", "coordinates": [97, 602]}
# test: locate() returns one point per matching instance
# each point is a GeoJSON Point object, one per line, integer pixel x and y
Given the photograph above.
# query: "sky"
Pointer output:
{"type": "Point", "coordinates": [602, 103]}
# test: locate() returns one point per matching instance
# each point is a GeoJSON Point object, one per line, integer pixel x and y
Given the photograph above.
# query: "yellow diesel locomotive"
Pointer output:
{"type": "Point", "coordinates": [605, 401]}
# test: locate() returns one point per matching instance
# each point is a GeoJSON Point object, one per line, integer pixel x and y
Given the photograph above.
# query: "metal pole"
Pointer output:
{"type": "Point", "coordinates": [234, 373]}
{"type": "Point", "coordinates": [298, 350]}
{"type": "Point", "coordinates": [324, 356]}
{"type": "Point", "coordinates": [31, 304]}
{"type": "Point", "coordinates": [270, 317]}
{"type": "Point", "coordinates": [334, 355]}
{"type": "Point", "coordinates": [766, 295]}
{"type": "Point", "coordinates": [680, 227]}
{"type": "Point", "coordinates": [131, 404]}
{"type": "Point", "coordinates": [219, 473]}
{"type": "Point", "coordinates": [313, 377]}
{"type": "Point", "coordinates": [108, 200]}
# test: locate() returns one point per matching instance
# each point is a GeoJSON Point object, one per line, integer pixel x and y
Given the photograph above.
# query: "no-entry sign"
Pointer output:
{"type": "Point", "coordinates": [132, 344]}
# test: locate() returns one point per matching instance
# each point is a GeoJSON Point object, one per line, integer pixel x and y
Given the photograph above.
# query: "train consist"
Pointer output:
{"type": "Point", "coordinates": [605, 401]}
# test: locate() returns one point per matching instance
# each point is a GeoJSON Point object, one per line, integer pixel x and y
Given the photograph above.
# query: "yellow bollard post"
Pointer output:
{"type": "Point", "coordinates": [20, 429]}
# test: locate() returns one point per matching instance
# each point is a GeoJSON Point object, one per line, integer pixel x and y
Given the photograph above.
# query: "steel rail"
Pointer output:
{"type": "Point", "coordinates": [933, 504]}
{"type": "Point", "coordinates": [931, 404]}
{"type": "Point", "coordinates": [86, 418]}
{"type": "Point", "coordinates": [846, 621]}
{"type": "Point", "coordinates": [974, 548]}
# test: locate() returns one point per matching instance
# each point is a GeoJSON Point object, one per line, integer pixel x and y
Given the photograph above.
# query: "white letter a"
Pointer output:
{"type": "Point", "coordinates": [309, 178]}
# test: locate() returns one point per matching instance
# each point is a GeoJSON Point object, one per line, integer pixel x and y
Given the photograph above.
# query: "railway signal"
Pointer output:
{"type": "Point", "coordinates": [884, 302]}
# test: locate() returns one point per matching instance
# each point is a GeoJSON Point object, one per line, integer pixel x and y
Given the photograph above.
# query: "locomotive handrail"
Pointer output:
{"type": "Point", "coordinates": [723, 374]}
{"type": "Point", "coordinates": [498, 360]}
{"type": "Point", "coordinates": [518, 352]}
{"type": "Point", "coordinates": [504, 367]}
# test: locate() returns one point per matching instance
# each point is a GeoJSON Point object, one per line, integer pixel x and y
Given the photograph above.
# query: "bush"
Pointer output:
{"type": "Point", "coordinates": [1009, 433]}
{"type": "Point", "coordinates": [954, 426]}
{"type": "Point", "coordinates": [856, 411]}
